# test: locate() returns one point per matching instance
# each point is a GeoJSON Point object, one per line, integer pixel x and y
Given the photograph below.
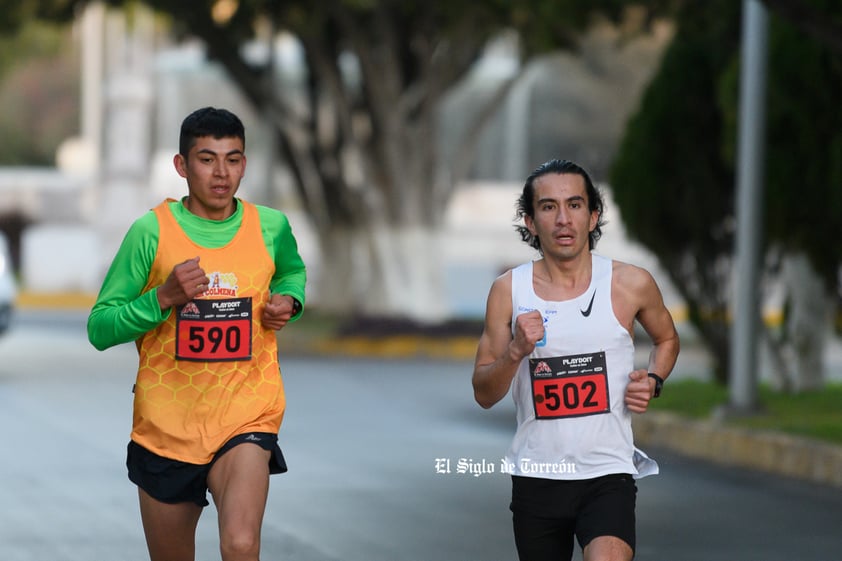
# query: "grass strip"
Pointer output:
{"type": "Point", "coordinates": [814, 414]}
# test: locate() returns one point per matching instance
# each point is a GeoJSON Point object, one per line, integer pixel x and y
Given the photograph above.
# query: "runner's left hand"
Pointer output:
{"type": "Point", "coordinates": [638, 391]}
{"type": "Point", "coordinates": [277, 312]}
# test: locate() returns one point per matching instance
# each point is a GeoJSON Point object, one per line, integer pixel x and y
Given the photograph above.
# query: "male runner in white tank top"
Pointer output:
{"type": "Point", "coordinates": [559, 331]}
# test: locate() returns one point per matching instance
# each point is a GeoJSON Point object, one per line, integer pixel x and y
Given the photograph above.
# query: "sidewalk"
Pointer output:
{"type": "Point", "coordinates": [771, 452]}
{"type": "Point", "coordinates": [709, 440]}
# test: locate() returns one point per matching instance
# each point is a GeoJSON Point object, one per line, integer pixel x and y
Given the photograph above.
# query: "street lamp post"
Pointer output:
{"type": "Point", "coordinates": [746, 307]}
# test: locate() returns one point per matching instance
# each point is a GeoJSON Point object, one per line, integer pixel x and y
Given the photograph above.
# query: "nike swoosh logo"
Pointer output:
{"type": "Point", "coordinates": [587, 311]}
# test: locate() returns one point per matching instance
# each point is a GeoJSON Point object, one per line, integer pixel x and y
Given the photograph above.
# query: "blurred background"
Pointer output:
{"type": "Point", "coordinates": [396, 136]}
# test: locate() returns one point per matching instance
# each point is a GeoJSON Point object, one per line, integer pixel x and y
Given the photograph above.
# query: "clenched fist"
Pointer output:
{"type": "Point", "coordinates": [186, 281]}
{"type": "Point", "coordinates": [278, 311]}
{"type": "Point", "coordinates": [529, 329]}
{"type": "Point", "coordinates": [638, 391]}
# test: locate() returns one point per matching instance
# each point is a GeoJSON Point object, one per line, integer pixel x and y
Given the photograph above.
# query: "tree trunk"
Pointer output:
{"type": "Point", "coordinates": [382, 271]}
{"type": "Point", "coordinates": [703, 284]}
{"type": "Point", "coordinates": [807, 321]}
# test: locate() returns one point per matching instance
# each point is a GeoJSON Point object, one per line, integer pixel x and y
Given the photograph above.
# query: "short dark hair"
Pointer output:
{"type": "Point", "coordinates": [526, 202]}
{"type": "Point", "coordinates": [209, 121]}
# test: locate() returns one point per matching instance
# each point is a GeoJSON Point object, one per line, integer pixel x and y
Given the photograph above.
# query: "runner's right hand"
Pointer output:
{"type": "Point", "coordinates": [529, 329]}
{"type": "Point", "coordinates": [186, 281]}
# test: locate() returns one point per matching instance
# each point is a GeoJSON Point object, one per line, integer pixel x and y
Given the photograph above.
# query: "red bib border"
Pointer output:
{"type": "Point", "coordinates": [214, 330]}
{"type": "Point", "coordinates": [569, 386]}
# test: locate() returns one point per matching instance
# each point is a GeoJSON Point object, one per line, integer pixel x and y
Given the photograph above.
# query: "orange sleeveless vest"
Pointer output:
{"type": "Point", "coordinates": [202, 379]}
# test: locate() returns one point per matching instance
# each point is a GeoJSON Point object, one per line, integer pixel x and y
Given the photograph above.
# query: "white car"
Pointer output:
{"type": "Point", "coordinates": [8, 289]}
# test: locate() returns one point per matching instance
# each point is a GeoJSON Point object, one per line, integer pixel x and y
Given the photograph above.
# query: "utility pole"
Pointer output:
{"type": "Point", "coordinates": [746, 307]}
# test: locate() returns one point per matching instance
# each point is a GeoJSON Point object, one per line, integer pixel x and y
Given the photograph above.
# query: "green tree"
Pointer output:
{"type": "Point", "coordinates": [804, 164]}
{"type": "Point", "coordinates": [39, 92]}
{"type": "Point", "coordinates": [670, 179]}
{"type": "Point", "coordinates": [674, 173]}
{"type": "Point", "coordinates": [804, 185]}
{"type": "Point", "coordinates": [361, 144]}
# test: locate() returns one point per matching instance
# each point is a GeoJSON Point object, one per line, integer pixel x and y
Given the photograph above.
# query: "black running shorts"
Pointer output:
{"type": "Point", "coordinates": [172, 481]}
{"type": "Point", "coordinates": [547, 513]}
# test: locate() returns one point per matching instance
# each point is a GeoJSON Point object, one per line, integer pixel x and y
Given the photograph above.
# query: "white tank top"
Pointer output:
{"type": "Point", "coordinates": [572, 422]}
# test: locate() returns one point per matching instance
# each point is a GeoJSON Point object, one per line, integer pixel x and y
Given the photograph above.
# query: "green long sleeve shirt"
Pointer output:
{"type": "Point", "coordinates": [123, 312]}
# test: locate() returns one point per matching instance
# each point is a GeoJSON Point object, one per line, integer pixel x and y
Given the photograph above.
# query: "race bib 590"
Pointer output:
{"type": "Point", "coordinates": [214, 330]}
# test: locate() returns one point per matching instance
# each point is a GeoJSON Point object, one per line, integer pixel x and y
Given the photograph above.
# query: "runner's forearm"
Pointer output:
{"type": "Point", "coordinates": [492, 381]}
{"type": "Point", "coordinates": [111, 323]}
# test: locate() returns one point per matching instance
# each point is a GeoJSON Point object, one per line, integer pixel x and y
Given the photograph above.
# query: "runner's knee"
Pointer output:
{"type": "Point", "coordinates": [240, 545]}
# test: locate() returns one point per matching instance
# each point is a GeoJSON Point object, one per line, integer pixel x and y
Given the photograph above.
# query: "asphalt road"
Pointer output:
{"type": "Point", "coordinates": [363, 438]}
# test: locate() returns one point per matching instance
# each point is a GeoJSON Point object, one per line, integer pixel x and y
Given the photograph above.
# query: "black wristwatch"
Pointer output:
{"type": "Point", "coordinates": [296, 306]}
{"type": "Point", "coordinates": [659, 384]}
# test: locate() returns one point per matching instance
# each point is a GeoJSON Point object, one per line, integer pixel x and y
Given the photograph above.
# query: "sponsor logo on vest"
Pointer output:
{"type": "Point", "coordinates": [221, 284]}
{"type": "Point", "coordinates": [587, 311]}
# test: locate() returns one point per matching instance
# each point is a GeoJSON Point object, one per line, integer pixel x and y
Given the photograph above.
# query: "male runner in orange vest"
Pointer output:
{"type": "Point", "coordinates": [201, 285]}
